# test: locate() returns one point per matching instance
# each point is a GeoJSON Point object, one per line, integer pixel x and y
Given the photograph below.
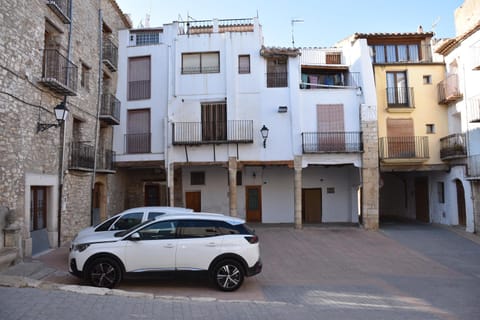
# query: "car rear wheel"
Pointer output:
{"type": "Point", "coordinates": [104, 272]}
{"type": "Point", "coordinates": [228, 275]}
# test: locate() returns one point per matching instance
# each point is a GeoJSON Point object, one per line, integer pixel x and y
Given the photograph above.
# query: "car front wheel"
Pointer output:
{"type": "Point", "coordinates": [228, 275]}
{"type": "Point", "coordinates": [104, 272]}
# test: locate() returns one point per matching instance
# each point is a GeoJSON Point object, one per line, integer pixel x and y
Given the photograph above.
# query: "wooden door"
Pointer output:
{"type": "Point", "coordinates": [462, 214]}
{"type": "Point", "coordinates": [400, 138]}
{"type": "Point", "coordinates": [152, 195]}
{"type": "Point", "coordinates": [331, 127]}
{"type": "Point", "coordinates": [253, 203]}
{"type": "Point", "coordinates": [421, 199]}
{"type": "Point", "coordinates": [312, 205]}
{"type": "Point", "coordinates": [193, 200]}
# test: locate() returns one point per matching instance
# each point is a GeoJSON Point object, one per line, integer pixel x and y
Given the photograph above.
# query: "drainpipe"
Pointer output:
{"type": "Point", "coordinates": [99, 100]}
{"type": "Point", "coordinates": [63, 131]}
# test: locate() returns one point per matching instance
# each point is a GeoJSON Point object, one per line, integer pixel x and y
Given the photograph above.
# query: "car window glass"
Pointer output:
{"type": "Point", "coordinates": [197, 228]}
{"type": "Point", "coordinates": [104, 226]}
{"type": "Point", "coordinates": [158, 231]}
{"type": "Point", "coordinates": [153, 215]}
{"type": "Point", "coordinates": [226, 228]}
{"type": "Point", "coordinates": [127, 221]}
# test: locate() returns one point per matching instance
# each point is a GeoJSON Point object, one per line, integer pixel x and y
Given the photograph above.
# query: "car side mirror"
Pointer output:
{"type": "Point", "coordinates": [135, 237]}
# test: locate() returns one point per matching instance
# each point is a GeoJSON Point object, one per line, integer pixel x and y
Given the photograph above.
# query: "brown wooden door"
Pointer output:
{"type": "Point", "coordinates": [253, 205]}
{"type": "Point", "coordinates": [312, 205]}
{"type": "Point", "coordinates": [421, 199]}
{"type": "Point", "coordinates": [462, 214]}
{"type": "Point", "coordinates": [38, 208]}
{"type": "Point", "coordinates": [152, 195]}
{"type": "Point", "coordinates": [193, 200]}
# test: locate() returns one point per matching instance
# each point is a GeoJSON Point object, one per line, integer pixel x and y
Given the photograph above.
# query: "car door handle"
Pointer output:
{"type": "Point", "coordinates": [211, 244]}
{"type": "Point", "coordinates": [169, 245]}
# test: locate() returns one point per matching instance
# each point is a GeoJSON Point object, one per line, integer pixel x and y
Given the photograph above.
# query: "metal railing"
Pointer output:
{"type": "Point", "coordinates": [400, 97]}
{"type": "Point", "coordinates": [321, 81]}
{"type": "Point", "coordinates": [449, 90]}
{"type": "Point", "coordinates": [473, 166]}
{"type": "Point", "coordinates": [325, 142]}
{"type": "Point", "coordinates": [110, 54]}
{"type": "Point", "coordinates": [233, 131]}
{"type": "Point", "coordinates": [210, 26]}
{"type": "Point", "coordinates": [277, 79]}
{"type": "Point", "coordinates": [138, 142]}
{"type": "Point", "coordinates": [453, 146]}
{"type": "Point", "coordinates": [61, 9]}
{"type": "Point", "coordinates": [473, 114]}
{"type": "Point", "coordinates": [138, 90]}
{"type": "Point", "coordinates": [82, 157]}
{"type": "Point", "coordinates": [110, 110]}
{"type": "Point", "coordinates": [409, 147]}
{"type": "Point", "coordinates": [59, 73]}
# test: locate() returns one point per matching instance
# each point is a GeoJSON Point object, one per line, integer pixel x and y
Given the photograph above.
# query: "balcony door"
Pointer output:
{"type": "Point", "coordinates": [331, 127]}
{"type": "Point", "coordinates": [138, 131]}
{"type": "Point", "coordinates": [400, 138]}
{"type": "Point", "coordinates": [397, 90]}
{"type": "Point", "coordinates": [214, 121]}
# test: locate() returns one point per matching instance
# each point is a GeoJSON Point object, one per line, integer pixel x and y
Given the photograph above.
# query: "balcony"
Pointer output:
{"type": "Point", "coordinates": [82, 157]}
{"type": "Point", "coordinates": [110, 55]}
{"type": "Point", "coordinates": [474, 109]}
{"type": "Point", "coordinates": [322, 57]}
{"type": "Point", "coordinates": [277, 79]}
{"type": "Point", "coordinates": [195, 133]}
{"type": "Point", "coordinates": [110, 109]}
{"type": "Point", "coordinates": [59, 74]}
{"type": "Point", "coordinates": [400, 97]}
{"type": "Point", "coordinates": [453, 147]}
{"type": "Point", "coordinates": [329, 80]}
{"type": "Point", "coordinates": [138, 143]}
{"type": "Point", "coordinates": [448, 90]}
{"type": "Point", "coordinates": [139, 90]}
{"type": "Point", "coordinates": [61, 9]}
{"type": "Point", "coordinates": [473, 167]}
{"type": "Point", "coordinates": [403, 149]}
{"type": "Point", "coordinates": [332, 142]}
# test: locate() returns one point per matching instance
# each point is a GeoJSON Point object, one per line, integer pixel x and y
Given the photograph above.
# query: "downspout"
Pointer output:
{"type": "Point", "coordinates": [99, 99]}
{"type": "Point", "coordinates": [63, 131]}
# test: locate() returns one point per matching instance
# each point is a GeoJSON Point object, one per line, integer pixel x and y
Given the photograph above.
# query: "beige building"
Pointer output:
{"type": "Point", "coordinates": [54, 176]}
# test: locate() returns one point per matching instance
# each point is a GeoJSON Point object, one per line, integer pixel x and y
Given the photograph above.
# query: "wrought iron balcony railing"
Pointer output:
{"type": "Point", "coordinates": [59, 74]}
{"type": "Point", "coordinates": [110, 55]}
{"type": "Point", "coordinates": [61, 9]}
{"type": "Point", "coordinates": [449, 90]}
{"type": "Point", "coordinates": [232, 131]}
{"type": "Point", "coordinates": [139, 90]}
{"type": "Point", "coordinates": [277, 79]}
{"type": "Point", "coordinates": [473, 167]}
{"type": "Point", "coordinates": [110, 110]}
{"type": "Point", "coordinates": [453, 146]}
{"type": "Point", "coordinates": [138, 143]}
{"type": "Point", "coordinates": [210, 26]}
{"type": "Point", "coordinates": [337, 80]}
{"type": "Point", "coordinates": [409, 147]}
{"type": "Point", "coordinates": [82, 157]}
{"type": "Point", "coordinates": [400, 97]}
{"type": "Point", "coordinates": [332, 142]}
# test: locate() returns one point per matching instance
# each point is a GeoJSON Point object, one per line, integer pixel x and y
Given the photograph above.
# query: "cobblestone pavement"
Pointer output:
{"type": "Point", "coordinates": [404, 271]}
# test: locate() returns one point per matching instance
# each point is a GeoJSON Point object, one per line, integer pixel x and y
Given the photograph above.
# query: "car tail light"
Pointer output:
{"type": "Point", "coordinates": [252, 239]}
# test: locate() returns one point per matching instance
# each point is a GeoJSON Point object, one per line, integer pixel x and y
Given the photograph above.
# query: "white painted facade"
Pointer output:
{"type": "Point", "coordinates": [178, 97]}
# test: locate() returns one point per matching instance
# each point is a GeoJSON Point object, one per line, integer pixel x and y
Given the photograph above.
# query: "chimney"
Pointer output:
{"type": "Point", "coordinates": [420, 29]}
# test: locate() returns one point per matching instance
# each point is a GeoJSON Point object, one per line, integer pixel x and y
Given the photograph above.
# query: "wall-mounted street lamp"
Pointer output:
{"type": "Point", "coordinates": [264, 132]}
{"type": "Point", "coordinates": [61, 114]}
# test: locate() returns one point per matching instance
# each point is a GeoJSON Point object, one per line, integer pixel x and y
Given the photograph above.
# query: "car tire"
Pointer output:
{"type": "Point", "coordinates": [228, 275]}
{"type": "Point", "coordinates": [104, 272]}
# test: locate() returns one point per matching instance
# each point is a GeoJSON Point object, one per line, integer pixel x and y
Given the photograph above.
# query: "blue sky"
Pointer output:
{"type": "Point", "coordinates": [324, 21]}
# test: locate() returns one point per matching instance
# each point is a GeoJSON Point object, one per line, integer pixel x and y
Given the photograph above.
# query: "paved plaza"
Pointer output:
{"type": "Point", "coordinates": [403, 271]}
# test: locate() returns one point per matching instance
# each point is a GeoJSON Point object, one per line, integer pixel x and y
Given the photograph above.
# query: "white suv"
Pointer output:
{"type": "Point", "coordinates": [223, 246]}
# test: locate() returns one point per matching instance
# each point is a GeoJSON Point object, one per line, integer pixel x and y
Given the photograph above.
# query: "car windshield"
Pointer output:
{"type": "Point", "coordinates": [125, 232]}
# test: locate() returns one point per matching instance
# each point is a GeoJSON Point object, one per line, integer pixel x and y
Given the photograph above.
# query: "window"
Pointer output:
{"type": "Point", "coordinates": [197, 229]}
{"type": "Point", "coordinates": [138, 134]}
{"type": "Point", "coordinates": [138, 78]}
{"type": "Point", "coordinates": [244, 64]}
{"type": "Point", "coordinates": [277, 76]}
{"type": "Point", "coordinates": [159, 231]}
{"type": "Point", "coordinates": [145, 38]}
{"type": "Point", "coordinates": [397, 90]}
{"type": "Point", "coordinates": [127, 221]}
{"type": "Point", "coordinates": [202, 62]}
{"type": "Point", "coordinates": [214, 121]}
{"type": "Point", "coordinates": [427, 79]}
{"type": "Point", "coordinates": [197, 178]}
{"type": "Point", "coordinates": [396, 53]}
{"type": "Point", "coordinates": [85, 77]}
{"type": "Point", "coordinates": [330, 127]}
{"type": "Point", "coordinates": [430, 128]}
{"type": "Point", "coordinates": [441, 192]}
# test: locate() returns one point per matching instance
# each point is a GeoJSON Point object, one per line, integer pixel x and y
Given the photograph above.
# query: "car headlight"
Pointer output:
{"type": "Point", "coordinates": [81, 247]}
